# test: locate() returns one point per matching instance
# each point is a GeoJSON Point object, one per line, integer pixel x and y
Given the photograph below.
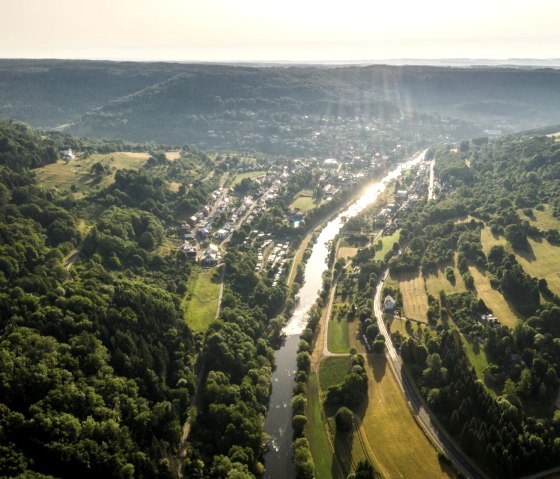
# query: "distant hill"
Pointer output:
{"type": "Point", "coordinates": [182, 103]}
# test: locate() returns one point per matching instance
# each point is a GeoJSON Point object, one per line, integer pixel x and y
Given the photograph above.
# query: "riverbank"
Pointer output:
{"type": "Point", "coordinates": [278, 420]}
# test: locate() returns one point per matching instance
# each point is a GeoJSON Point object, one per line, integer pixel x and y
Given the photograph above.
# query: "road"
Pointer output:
{"type": "Point", "coordinates": [72, 259]}
{"type": "Point", "coordinates": [431, 195]}
{"type": "Point", "coordinates": [432, 429]}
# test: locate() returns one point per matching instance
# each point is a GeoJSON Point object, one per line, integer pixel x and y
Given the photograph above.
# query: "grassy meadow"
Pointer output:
{"type": "Point", "coordinates": [493, 298]}
{"type": "Point", "coordinates": [542, 262]}
{"type": "Point", "coordinates": [338, 339]}
{"type": "Point", "coordinates": [387, 244]}
{"type": "Point", "coordinates": [241, 176]}
{"type": "Point", "coordinates": [200, 303]}
{"type": "Point", "coordinates": [77, 172]}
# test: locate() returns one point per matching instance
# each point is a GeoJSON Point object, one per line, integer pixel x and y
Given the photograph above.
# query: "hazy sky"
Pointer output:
{"type": "Point", "coordinates": [296, 30]}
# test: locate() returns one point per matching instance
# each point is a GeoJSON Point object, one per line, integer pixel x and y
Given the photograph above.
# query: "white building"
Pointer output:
{"type": "Point", "coordinates": [389, 303]}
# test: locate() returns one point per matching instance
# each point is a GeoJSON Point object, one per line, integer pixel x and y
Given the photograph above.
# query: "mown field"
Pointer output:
{"type": "Point", "coordinates": [200, 303]}
{"type": "Point", "coordinates": [415, 299]}
{"type": "Point", "coordinates": [326, 464]}
{"type": "Point", "coordinates": [338, 338]}
{"type": "Point", "coordinates": [302, 203]}
{"type": "Point", "coordinates": [346, 252]}
{"type": "Point", "coordinates": [399, 446]}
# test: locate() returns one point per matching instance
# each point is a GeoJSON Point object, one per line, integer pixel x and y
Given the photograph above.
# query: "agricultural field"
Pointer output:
{"type": "Point", "coordinates": [493, 298]}
{"type": "Point", "coordinates": [415, 299]}
{"type": "Point", "coordinates": [544, 262]}
{"type": "Point", "coordinates": [200, 303]}
{"type": "Point", "coordinates": [346, 252]}
{"type": "Point", "coordinates": [78, 172]}
{"type": "Point", "coordinates": [400, 448]}
{"type": "Point", "coordinates": [173, 155]}
{"type": "Point", "coordinates": [332, 371]}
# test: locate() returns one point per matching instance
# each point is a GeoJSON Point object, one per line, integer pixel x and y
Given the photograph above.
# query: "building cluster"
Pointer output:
{"type": "Point", "coordinates": [403, 198]}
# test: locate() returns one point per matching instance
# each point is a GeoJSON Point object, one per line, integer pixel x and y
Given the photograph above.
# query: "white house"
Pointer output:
{"type": "Point", "coordinates": [389, 303]}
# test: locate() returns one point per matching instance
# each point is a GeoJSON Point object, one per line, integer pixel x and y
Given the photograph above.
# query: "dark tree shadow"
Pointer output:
{"type": "Point", "coordinates": [378, 365]}
{"type": "Point", "coordinates": [526, 253]}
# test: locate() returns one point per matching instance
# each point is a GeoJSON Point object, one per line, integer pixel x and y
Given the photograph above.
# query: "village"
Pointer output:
{"type": "Point", "coordinates": [204, 234]}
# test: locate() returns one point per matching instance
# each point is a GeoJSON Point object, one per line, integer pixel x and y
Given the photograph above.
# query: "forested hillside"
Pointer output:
{"type": "Point", "coordinates": [97, 363]}
{"type": "Point", "coordinates": [240, 106]}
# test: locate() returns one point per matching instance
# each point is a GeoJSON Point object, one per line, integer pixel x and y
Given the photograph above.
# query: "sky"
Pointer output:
{"type": "Point", "coordinates": [286, 30]}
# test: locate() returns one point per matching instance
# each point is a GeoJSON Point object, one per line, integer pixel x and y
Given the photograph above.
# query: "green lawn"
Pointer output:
{"type": "Point", "coordinates": [387, 242]}
{"type": "Point", "coordinates": [337, 339]}
{"type": "Point", "coordinates": [332, 371]}
{"type": "Point", "coordinates": [478, 359]}
{"type": "Point", "coordinates": [241, 176]}
{"type": "Point", "coordinates": [321, 449]}
{"type": "Point", "coordinates": [303, 203]}
{"type": "Point", "coordinates": [200, 303]}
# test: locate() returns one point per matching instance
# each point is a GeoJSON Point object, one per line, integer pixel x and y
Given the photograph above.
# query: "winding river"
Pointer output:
{"type": "Point", "coordinates": [278, 422]}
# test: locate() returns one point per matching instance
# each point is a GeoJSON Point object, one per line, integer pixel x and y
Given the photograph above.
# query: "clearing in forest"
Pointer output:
{"type": "Point", "coordinates": [78, 172]}
{"type": "Point", "coordinates": [493, 298]}
{"type": "Point", "coordinates": [200, 303]}
{"type": "Point", "coordinates": [543, 261]}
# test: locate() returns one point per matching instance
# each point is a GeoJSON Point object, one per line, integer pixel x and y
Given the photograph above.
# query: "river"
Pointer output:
{"type": "Point", "coordinates": [278, 421]}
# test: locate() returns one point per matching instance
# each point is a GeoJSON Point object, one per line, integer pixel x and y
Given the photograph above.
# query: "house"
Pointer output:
{"type": "Point", "coordinates": [389, 303]}
{"type": "Point", "coordinates": [67, 154]}
{"type": "Point", "coordinates": [221, 233]}
{"type": "Point", "coordinates": [209, 259]}
{"type": "Point", "coordinates": [330, 163]}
